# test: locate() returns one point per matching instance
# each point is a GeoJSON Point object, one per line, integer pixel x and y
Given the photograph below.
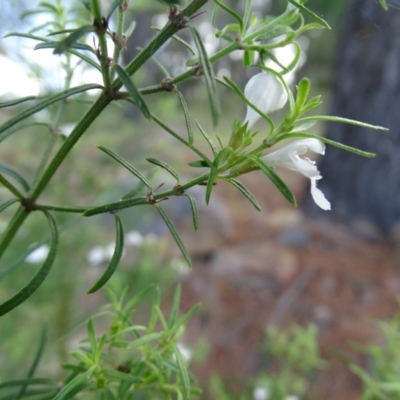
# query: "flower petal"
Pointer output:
{"type": "Point", "coordinates": [267, 93]}
{"type": "Point", "coordinates": [318, 196]}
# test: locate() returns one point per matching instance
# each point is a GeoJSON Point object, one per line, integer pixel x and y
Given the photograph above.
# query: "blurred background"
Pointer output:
{"type": "Point", "coordinates": [332, 273]}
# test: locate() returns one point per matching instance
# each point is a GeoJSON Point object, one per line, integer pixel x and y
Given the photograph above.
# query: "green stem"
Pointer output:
{"type": "Point", "coordinates": [51, 207]}
{"type": "Point", "coordinates": [91, 115]}
{"type": "Point", "coordinates": [118, 38]}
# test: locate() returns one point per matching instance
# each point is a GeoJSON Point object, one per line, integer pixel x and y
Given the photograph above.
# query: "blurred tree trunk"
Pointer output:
{"type": "Point", "coordinates": [366, 88]}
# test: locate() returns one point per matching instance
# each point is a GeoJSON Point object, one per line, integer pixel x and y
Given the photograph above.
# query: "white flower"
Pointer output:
{"type": "Point", "coordinates": [289, 157]}
{"type": "Point", "coordinates": [267, 93]}
{"type": "Point", "coordinates": [134, 238]}
{"type": "Point", "coordinates": [261, 393]}
{"type": "Point", "coordinates": [38, 255]}
{"type": "Point", "coordinates": [96, 255]}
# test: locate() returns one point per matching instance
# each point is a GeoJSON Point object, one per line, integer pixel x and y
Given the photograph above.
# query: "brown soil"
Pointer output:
{"type": "Point", "coordinates": [278, 267]}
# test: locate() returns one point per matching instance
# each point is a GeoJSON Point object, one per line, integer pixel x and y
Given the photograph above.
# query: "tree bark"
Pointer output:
{"type": "Point", "coordinates": [366, 88]}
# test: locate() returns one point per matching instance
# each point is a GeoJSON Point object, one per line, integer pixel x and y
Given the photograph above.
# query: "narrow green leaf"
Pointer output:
{"type": "Point", "coordinates": [133, 91]}
{"type": "Point", "coordinates": [120, 376]}
{"type": "Point", "coordinates": [308, 12]}
{"type": "Point", "coordinates": [87, 59]}
{"type": "Point", "coordinates": [238, 185]}
{"type": "Point", "coordinates": [75, 385]}
{"type": "Point", "coordinates": [247, 14]}
{"type": "Point", "coordinates": [303, 89]}
{"type": "Point", "coordinates": [71, 40]}
{"type": "Point", "coordinates": [232, 85]}
{"type": "Point", "coordinates": [343, 120]}
{"type": "Point", "coordinates": [54, 44]}
{"type": "Point", "coordinates": [328, 141]}
{"type": "Point", "coordinates": [138, 298]}
{"type": "Point", "coordinates": [113, 7]}
{"type": "Point", "coordinates": [174, 234]}
{"type": "Point", "coordinates": [207, 70]}
{"type": "Point", "coordinates": [41, 275]}
{"type": "Point", "coordinates": [125, 163]}
{"type": "Point", "coordinates": [165, 166]}
{"type": "Point", "coordinates": [198, 164]}
{"type": "Point", "coordinates": [7, 184]}
{"type": "Point", "coordinates": [18, 177]}
{"type": "Point", "coordinates": [44, 104]}
{"type": "Point", "coordinates": [231, 13]}
{"type": "Point", "coordinates": [274, 178]}
{"type": "Point", "coordinates": [27, 36]}
{"type": "Point", "coordinates": [144, 340]}
{"type": "Point", "coordinates": [39, 353]}
{"type": "Point", "coordinates": [116, 258]}
{"type": "Point", "coordinates": [7, 204]}
{"type": "Point", "coordinates": [187, 118]}
{"type": "Point", "coordinates": [27, 382]}
{"type": "Point", "coordinates": [92, 335]}
{"type": "Point", "coordinates": [131, 29]}
{"type": "Point", "coordinates": [209, 140]}
{"type": "Point", "coordinates": [183, 371]}
{"type": "Point", "coordinates": [16, 101]}
{"type": "Point", "coordinates": [50, 7]}
{"type": "Point", "coordinates": [175, 306]}
{"type": "Point", "coordinates": [118, 205]}
{"type": "Point", "coordinates": [182, 320]}
{"type": "Point", "coordinates": [274, 33]}
{"type": "Point", "coordinates": [383, 4]}
{"type": "Point", "coordinates": [210, 183]}
{"type": "Point", "coordinates": [195, 211]}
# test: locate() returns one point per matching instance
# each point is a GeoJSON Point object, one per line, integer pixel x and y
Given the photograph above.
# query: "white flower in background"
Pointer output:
{"type": "Point", "coordinates": [267, 93]}
{"type": "Point", "coordinates": [261, 393]}
{"type": "Point", "coordinates": [96, 255]}
{"type": "Point", "coordinates": [66, 129]}
{"type": "Point", "coordinates": [186, 352]}
{"type": "Point", "coordinates": [134, 238]}
{"type": "Point", "coordinates": [292, 397]}
{"type": "Point", "coordinates": [39, 255]}
{"type": "Point", "coordinates": [289, 157]}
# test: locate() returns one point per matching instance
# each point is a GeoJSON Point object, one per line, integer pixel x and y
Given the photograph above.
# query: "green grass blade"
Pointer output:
{"type": "Point", "coordinates": [133, 91]}
{"type": "Point", "coordinates": [45, 103]}
{"type": "Point", "coordinates": [174, 234]}
{"type": "Point", "coordinates": [243, 189]}
{"type": "Point", "coordinates": [125, 163]}
{"type": "Point", "coordinates": [207, 70]}
{"type": "Point", "coordinates": [116, 258]}
{"type": "Point", "coordinates": [71, 40]}
{"type": "Point", "coordinates": [41, 275]}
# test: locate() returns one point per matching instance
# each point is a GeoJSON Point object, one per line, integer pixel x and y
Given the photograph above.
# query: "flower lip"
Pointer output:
{"type": "Point", "coordinates": [267, 93]}
{"type": "Point", "coordinates": [289, 157]}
